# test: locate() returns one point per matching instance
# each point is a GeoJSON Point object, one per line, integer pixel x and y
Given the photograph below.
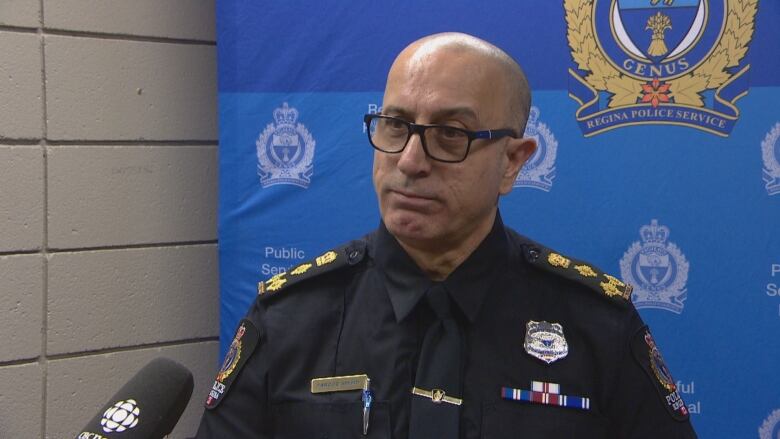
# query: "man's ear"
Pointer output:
{"type": "Point", "coordinates": [518, 151]}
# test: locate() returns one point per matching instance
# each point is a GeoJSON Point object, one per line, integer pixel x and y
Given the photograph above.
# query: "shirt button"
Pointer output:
{"type": "Point", "coordinates": [354, 254]}
{"type": "Point", "coordinates": [533, 254]}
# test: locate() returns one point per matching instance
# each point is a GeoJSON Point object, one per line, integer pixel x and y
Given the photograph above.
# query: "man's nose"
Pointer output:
{"type": "Point", "coordinates": [413, 160]}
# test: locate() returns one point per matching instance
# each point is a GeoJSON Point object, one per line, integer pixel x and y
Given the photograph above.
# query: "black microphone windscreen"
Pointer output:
{"type": "Point", "coordinates": [146, 407]}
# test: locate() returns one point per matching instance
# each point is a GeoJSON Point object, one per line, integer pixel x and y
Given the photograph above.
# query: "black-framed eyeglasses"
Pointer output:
{"type": "Point", "coordinates": [440, 142]}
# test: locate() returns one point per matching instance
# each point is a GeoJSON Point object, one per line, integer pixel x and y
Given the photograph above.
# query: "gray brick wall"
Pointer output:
{"type": "Point", "coordinates": [108, 198]}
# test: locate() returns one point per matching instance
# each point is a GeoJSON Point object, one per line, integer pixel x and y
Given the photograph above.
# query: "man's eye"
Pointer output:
{"type": "Point", "coordinates": [391, 125]}
{"type": "Point", "coordinates": [450, 133]}
{"type": "Point", "coordinates": [395, 124]}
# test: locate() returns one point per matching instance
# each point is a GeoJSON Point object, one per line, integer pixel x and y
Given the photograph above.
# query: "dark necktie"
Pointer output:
{"type": "Point", "coordinates": [436, 399]}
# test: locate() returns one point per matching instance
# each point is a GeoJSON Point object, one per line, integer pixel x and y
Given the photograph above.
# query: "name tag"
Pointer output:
{"type": "Point", "coordinates": [339, 384]}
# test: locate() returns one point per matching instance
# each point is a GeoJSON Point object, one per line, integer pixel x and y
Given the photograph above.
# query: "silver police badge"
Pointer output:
{"type": "Point", "coordinates": [539, 171]}
{"type": "Point", "coordinates": [545, 341]}
{"type": "Point", "coordinates": [657, 269]}
{"type": "Point", "coordinates": [770, 152]}
{"type": "Point", "coordinates": [285, 151]}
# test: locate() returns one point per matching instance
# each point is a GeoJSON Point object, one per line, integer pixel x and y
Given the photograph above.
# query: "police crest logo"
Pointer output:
{"type": "Point", "coordinates": [648, 355]}
{"type": "Point", "coordinates": [233, 355]}
{"type": "Point", "coordinates": [657, 269]}
{"type": "Point", "coordinates": [770, 428]}
{"type": "Point", "coordinates": [285, 151]}
{"type": "Point", "coordinates": [770, 152]}
{"type": "Point", "coordinates": [670, 62]}
{"type": "Point", "coordinates": [240, 350]}
{"type": "Point", "coordinates": [658, 365]}
{"type": "Point", "coordinates": [539, 171]}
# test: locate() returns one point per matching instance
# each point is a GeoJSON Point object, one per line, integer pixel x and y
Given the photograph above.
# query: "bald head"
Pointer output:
{"type": "Point", "coordinates": [516, 95]}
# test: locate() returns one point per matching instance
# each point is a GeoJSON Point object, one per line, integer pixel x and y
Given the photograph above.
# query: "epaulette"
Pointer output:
{"type": "Point", "coordinates": [578, 271]}
{"type": "Point", "coordinates": [331, 260]}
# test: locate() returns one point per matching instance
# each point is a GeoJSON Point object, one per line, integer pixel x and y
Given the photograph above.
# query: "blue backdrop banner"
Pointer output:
{"type": "Point", "coordinates": [659, 130]}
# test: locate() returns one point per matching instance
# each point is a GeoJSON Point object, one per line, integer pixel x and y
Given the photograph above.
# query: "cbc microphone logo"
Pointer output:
{"type": "Point", "coordinates": [122, 416]}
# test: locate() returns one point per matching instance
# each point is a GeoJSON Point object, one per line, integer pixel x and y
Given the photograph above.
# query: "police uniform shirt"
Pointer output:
{"type": "Point", "coordinates": [360, 312]}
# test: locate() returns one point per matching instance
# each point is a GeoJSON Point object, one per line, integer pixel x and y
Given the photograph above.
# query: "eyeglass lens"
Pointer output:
{"type": "Point", "coordinates": [442, 142]}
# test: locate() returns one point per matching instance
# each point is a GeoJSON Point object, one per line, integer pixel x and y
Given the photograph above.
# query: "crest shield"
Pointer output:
{"type": "Point", "coordinates": [654, 267]}
{"type": "Point", "coordinates": [658, 29]}
{"type": "Point", "coordinates": [285, 147]}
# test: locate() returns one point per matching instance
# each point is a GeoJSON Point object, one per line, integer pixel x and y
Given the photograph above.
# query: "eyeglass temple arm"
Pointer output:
{"type": "Point", "coordinates": [494, 134]}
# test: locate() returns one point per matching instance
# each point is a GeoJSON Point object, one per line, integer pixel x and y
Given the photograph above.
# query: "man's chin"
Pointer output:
{"type": "Point", "coordinates": [411, 226]}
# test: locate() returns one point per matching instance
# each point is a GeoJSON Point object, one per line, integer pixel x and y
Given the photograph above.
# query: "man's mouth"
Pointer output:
{"type": "Point", "coordinates": [410, 199]}
{"type": "Point", "coordinates": [412, 194]}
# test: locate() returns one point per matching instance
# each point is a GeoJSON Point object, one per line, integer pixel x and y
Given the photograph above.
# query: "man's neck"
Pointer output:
{"type": "Point", "coordinates": [439, 262]}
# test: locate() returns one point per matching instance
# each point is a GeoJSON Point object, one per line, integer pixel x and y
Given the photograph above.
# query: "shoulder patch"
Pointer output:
{"type": "Point", "coordinates": [578, 271]}
{"type": "Point", "coordinates": [648, 356]}
{"type": "Point", "coordinates": [241, 348]}
{"type": "Point", "coordinates": [331, 260]}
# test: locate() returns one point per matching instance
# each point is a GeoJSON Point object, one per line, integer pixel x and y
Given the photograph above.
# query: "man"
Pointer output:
{"type": "Point", "coordinates": [444, 323]}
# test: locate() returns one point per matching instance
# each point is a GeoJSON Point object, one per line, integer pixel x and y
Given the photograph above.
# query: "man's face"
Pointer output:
{"type": "Point", "coordinates": [435, 204]}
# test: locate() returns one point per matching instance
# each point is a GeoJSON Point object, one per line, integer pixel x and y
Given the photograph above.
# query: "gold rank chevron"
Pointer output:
{"type": "Point", "coordinates": [583, 273]}
{"type": "Point", "coordinates": [326, 262]}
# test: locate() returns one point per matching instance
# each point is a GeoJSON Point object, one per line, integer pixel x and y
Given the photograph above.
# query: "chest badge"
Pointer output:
{"type": "Point", "coordinates": [545, 341]}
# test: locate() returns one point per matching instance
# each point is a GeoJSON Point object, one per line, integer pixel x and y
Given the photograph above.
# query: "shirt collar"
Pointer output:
{"type": "Point", "coordinates": [468, 285]}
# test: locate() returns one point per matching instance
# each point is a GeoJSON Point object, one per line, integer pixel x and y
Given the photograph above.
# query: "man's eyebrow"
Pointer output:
{"type": "Point", "coordinates": [395, 111]}
{"type": "Point", "coordinates": [438, 114]}
{"type": "Point", "coordinates": [455, 111]}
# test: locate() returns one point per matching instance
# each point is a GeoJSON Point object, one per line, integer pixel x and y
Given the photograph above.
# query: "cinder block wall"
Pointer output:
{"type": "Point", "coordinates": [108, 198]}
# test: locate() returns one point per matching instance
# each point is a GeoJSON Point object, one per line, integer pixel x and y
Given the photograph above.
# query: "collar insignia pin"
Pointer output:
{"type": "Point", "coordinates": [545, 341]}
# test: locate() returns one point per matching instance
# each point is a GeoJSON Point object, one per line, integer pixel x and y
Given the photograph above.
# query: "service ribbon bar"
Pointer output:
{"type": "Point", "coordinates": [546, 398]}
{"type": "Point", "coordinates": [541, 386]}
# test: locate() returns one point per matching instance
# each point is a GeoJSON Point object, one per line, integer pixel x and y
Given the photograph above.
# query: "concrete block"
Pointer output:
{"type": "Point", "coordinates": [130, 297]}
{"type": "Point", "coordinates": [21, 13]}
{"type": "Point", "coordinates": [21, 307]}
{"type": "Point", "coordinates": [21, 106]}
{"type": "Point", "coordinates": [184, 19]}
{"type": "Point", "coordinates": [21, 397]}
{"type": "Point", "coordinates": [78, 387]}
{"type": "Point", "coordinates": [98, 89]}
{"type": "Point", "coordinates": [21, 198]}
{"type": "Point", "coordinates": [103, 196]}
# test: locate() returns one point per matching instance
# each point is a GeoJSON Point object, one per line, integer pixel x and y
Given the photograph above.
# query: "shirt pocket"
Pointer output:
{"type": "Point", "coordinates": [337, 420]}
{"type": "Point", "coordinates": [508, 419]}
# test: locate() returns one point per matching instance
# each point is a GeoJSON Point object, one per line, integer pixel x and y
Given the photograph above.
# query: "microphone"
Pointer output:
{"type": "Point", "coordinates": [146, 407]}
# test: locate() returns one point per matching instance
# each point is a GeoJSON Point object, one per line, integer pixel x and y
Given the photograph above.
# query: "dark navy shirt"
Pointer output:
{"type": "Point", "coordinates": [364, 315]}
